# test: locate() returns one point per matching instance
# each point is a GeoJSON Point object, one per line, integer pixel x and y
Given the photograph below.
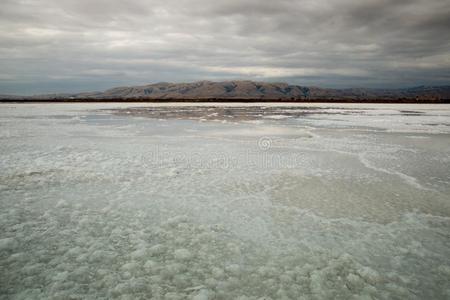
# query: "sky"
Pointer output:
{"type": "Point", "coordinates": [49, 46]}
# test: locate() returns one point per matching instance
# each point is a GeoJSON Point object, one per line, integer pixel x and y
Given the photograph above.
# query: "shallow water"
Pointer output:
{"type": "Point", "coordinates": [282, 202]}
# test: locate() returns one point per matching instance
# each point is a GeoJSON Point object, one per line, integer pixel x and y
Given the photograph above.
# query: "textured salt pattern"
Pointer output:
{"type": "Point", "coordinates": [94, 205]}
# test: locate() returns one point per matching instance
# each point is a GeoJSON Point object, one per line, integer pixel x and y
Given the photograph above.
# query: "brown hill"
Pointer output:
{"type": "Point", "coordinates": [249, 90]}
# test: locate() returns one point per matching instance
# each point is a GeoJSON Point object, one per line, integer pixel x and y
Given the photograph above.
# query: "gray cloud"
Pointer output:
{"type": "Point", "coordinates": [73, 45]}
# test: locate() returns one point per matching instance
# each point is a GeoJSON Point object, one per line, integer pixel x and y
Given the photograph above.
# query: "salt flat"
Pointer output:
{"type": "Point", "coordinates": [224, 201]}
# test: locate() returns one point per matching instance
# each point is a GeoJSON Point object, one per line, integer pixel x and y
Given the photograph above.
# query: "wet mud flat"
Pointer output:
{"type": "Point", "coordinates": [252, 112]}
{"type": "Point", "coordinates": [231, 113]}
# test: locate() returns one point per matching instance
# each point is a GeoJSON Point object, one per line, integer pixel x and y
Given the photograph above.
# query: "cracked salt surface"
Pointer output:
{"type": "Point", "coordinates": [339, 206]}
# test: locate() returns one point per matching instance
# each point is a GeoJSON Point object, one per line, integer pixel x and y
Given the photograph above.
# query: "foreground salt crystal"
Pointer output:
{"type": "Point", "coordinates": [182, 254]}
{"type": "Point", "coordinates": [8, 244]}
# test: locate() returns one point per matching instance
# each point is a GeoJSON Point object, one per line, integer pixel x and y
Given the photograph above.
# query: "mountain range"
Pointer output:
{"type": "Point", "coordinates": [248, 90]}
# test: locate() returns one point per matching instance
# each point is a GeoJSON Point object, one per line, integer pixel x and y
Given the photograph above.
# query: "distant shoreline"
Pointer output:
{"type": "Point", "coordinates": [237, 100]}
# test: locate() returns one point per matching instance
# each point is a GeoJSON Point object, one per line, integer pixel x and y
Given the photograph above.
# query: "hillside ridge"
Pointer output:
{"type": "Point", "coordinates": [247, 90]}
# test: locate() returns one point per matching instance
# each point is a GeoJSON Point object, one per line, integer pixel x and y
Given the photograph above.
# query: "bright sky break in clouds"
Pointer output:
{"type": "Point", "coordinates": [82, 45]}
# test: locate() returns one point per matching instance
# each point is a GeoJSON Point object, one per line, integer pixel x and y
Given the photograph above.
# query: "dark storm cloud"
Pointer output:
{"type": "Point", "coordinates": [57, 45]}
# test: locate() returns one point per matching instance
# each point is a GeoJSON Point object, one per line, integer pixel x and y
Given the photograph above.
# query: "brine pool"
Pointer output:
{"type": "Point", "coordinates": [224, 201]}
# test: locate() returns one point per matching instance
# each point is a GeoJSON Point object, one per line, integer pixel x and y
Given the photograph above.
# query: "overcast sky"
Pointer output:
{"type": "Point", "coordinates": [85, 45]}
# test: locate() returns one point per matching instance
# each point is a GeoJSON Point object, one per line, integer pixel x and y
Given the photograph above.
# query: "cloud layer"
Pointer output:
{"type": "Point", "coordinates": [75, 45]}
